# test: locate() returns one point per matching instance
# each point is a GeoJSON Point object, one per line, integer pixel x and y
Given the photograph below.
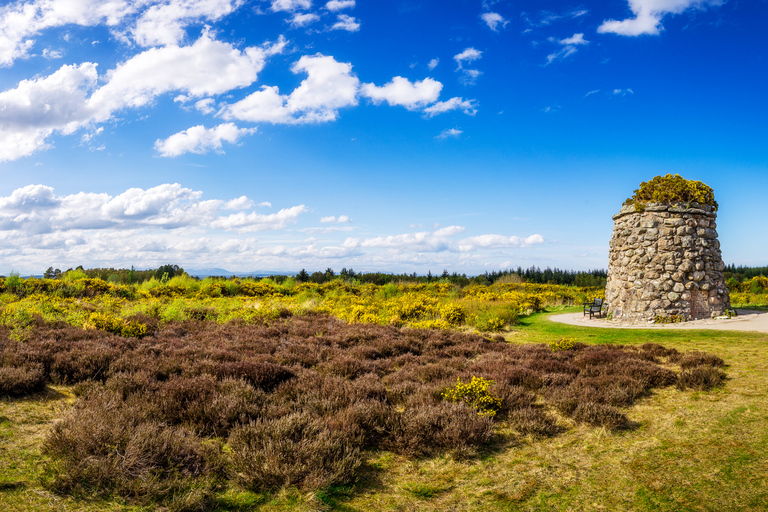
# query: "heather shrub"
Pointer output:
{"type": "Point", "coordinates": [534, 421]}
{"type": "Point", "coordinates": [22, 380]}
{"type": "Point", "coordinates": [700, 378]}
{"type": "Point", "coordinates": [266, 376]}
{"type": "Point", "coordinates": [425, 428]}
{"type": "Point", "coordinates": [601, 415]}
{"type": "Point", "coordinates": [695, 358]}
{"type": "Point", "coordinates": [104, 446]}
{"type": "Point", "coordinates": [295, 450]}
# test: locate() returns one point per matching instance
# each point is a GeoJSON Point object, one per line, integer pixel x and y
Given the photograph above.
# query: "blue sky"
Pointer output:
{"type": "Point", "coordinates": [400, 136]}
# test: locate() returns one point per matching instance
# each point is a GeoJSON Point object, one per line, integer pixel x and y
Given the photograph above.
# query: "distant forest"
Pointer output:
{"type": "Point", "coordinates": [530, 275]}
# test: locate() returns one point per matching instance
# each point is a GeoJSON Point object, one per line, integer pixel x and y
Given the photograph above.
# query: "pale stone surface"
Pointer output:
{"type": "Point", "coordinates": [664, 261]}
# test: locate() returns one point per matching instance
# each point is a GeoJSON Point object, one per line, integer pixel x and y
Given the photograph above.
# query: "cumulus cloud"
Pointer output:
{"type": "Point", "coordinates": [36, 108]}
{"type": "Point", "coordinates": [201, 140]}
{"type": "Point", "coordinates": [346, 22]}
{"type": "Point", "coordinates": [341, 219]}
{"type": "Point", "coordinates": [37, 209]}
{"type": "Point", "coordinates": [290, 5]}
{"type": "Point", "coordinates": [432, 64]}
{"type": "Point", "coordinates": [303, 19]}
{"type": "Point", "coordinates": [247, 222]}
{"type": "Point", "coordinates": [569, 47]}
{"type": "Point", "coordinates": [468, 55]}
{"type": "Point", "coordinates": [648, 16]}
{"type": "Point", "coordinates": [494, 20]}
{"type": "Point", "coordinates": [449, 133]}
{"type": "Point", "coordinates": [469, 107]}
{"type": "Point", "coordinates": [330, 85]}
{"type": "Point", "coordinates": [150, 22]}
{"type": "Point", "coordinates": [60, 102]}
{"type": "Point", "coordinates": [486, 241]}
{"type": "Point", "coordinates": [20, 21]}
{"type": "Point", "coordinates": [338, 5]}
{"type": "Point", "coordinates": [403, 92]}
{"type": "Point", "coordinates": [166, 23]}
{"type": "Point", "coordinates": [207, 67]}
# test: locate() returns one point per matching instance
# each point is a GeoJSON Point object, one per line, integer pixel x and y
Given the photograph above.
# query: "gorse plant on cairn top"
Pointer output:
{"type": "Point", "coordinates": [672, 189]}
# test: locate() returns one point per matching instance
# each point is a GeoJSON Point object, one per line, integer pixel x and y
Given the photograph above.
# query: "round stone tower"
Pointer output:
{"type": "Point", "coordinates": [664, 258]}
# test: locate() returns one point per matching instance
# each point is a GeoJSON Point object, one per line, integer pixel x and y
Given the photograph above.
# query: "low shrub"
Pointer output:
{"type": "Point", "coordinates": [296, 450]}
{"type": "Point", "coordinates": [700, 378]}
{"type": "Point", "coordinates": [22, 380]}
{"type": "Point", "coordinates": [475, 394]}
{"type": "Point", "coordinates": [534, 421]}
{"type": "Point", "coordinates": [425, 428]}
{"type": "Point", "coordinates": [601, 415]}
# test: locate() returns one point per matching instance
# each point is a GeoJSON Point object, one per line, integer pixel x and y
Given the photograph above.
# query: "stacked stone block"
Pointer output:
{"type": "Point", "coordinates": [665, 261]}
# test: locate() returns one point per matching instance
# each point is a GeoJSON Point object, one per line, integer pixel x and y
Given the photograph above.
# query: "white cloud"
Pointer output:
{"type": "Point", "coordinates": [452, 132]}
{"type": "Point", "coordinates": [207, 67]}
{"type": "Point", "coordinates": [290, 5]}
{"type": "Point", "coordinates": [345, 22]}
{"type": "Point", "coordinates": [468, 55]}
{"type": "Point", "coordinates": [648, 16]}
{"type": "Point", "coordinates": [52, 54]}
{"type": "Point", "coordinates": [341, 219]}
{"type": "Point", "coordinates": [493, 20]}
{"type": "Point", "coordinates": [594, 91]}
{"type": "Point", "coordinates": [338, 5]}
{"type": "Point", "coordinates": [329, 86]}
{"type": "Point", "coordinates": [569, 47]}
{"type": "Point", "coordinates": [37, 209]}
{"type": "Point", "coordinates": [401, 91]}
{"type": "Point", "coordinates": [303, 19]}
{"type": "Point", "coordinates": [166, 23]}
{"type": "Point", "coordinates": [433, 64]}
{"type": "Point", "coordinates": [37, 108]}
{"type": "Point", "coordinates": [469, 76]}
{"type": "Point", "coordinates": [205, 105]}
{"type": "Point", "coordinates": [241, 203]}
{"type": "Point", "coordinates": [474, 242]}
{"type": "Point", "coordinates": [22, 20]}
{"type": "Point", "coordinates": [265, 204]}
{"type": "Point", "coordinates": [247, 222]}
{"type": "Point", "coordinates": [469, 107]}
{"type": "Point", "coordinates": [201, 140]}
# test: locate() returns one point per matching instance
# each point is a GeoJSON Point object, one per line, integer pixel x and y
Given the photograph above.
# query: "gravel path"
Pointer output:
{"type": "Point", "coordinates": [747, 320]}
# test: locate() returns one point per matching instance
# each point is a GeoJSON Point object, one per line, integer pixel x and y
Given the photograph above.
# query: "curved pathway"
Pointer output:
{"type": "Point", "coordinates": [747, 320]}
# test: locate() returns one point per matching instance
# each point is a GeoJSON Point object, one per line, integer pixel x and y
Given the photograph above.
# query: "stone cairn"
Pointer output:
{"type": "Point", "coordinates": [665, 261]}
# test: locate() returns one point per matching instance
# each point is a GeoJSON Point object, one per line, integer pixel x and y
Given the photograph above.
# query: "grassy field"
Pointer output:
{"type": "Point", "coordinates": [687, 450]}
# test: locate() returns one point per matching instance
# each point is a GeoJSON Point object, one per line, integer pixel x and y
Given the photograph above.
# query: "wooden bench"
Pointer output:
{"type": "Point", "coordinates": [593, 308]}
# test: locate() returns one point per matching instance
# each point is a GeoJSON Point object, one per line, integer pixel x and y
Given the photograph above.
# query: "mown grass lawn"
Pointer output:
{"type": "Point", "coordinates": [687, 451]}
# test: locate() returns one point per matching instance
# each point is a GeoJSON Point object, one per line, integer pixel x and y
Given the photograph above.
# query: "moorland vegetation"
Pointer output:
{"type": "Point", "coordinates": [188, 392]}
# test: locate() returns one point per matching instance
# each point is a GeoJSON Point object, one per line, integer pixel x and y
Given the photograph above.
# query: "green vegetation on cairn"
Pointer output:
{"type": "Point", "coordinates": [672, 189]}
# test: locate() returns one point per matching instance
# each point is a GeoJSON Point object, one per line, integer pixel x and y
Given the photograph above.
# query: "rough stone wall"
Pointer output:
{"type": "Point", "coordinates": [665, 261]}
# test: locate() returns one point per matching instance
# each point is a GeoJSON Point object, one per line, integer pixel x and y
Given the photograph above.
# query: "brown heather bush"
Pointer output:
{"type": "Point", "coordinates": [106, 445]}
{"type": "Point", "coordinates": [301, 398]}
{"type": "Point", "coordinates": [695, 358]}
{"type": "Point", "coordinates": [534, 421]}
{"type": "Point", "coordinates": [22, 380]}
{"type": "Point", "coordinates": [266, 376]}
{"type": "Point", "coordinates": [601, 415]}
{"type": "Point", "coordinates": [425, 428]}
{"type": "Point", "coordinates": [295, 450]}
{"type": "Point", "coordinates": [700, 378]}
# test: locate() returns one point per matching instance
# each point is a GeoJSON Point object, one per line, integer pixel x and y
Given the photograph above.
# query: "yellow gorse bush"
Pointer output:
{"type": "Point", "coordinates": [475, 394]}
